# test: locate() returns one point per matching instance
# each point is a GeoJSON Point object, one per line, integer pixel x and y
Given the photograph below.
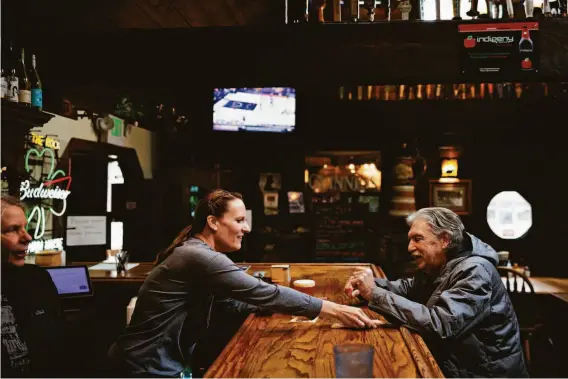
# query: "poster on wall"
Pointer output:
{"type": "Point", "coordinates": [270, 181]}
{"type": "Point", "coordinates": [271, 203]}
{"type": "Point", "coordinates": [497, 49]}
{"type": "Point", "coordinates": [248, 217]}
{"type": "Point", "coordinates": [86, 230]}
{"type": "Point", "coordinates": [296, 202]}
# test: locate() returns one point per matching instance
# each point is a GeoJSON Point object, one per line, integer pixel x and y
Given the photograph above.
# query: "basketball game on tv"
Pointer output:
{"type": "Point", "coordinates": [269, 109]}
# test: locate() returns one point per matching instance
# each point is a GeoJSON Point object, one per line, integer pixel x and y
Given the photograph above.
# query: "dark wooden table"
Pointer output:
{"type": "Point", "coordinates": [134, 275]}
{"type": "Point", "coordinates": [273, 347]}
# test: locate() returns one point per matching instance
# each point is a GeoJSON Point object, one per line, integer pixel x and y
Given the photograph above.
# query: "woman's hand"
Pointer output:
{"type": "Point", "coordinates": [350, 317]}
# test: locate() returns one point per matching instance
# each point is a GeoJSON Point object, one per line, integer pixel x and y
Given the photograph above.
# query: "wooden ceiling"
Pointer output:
{"type": "Point", "coordinates": [143, 14]}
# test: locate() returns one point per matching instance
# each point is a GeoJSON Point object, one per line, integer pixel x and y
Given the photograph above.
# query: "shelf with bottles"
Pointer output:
{"type": "Point", "coordinates": [459, 91]}
{"type": "Point", "coordinates": [368, 11]}
{"type": "Point", "coordinates": [20, 81]}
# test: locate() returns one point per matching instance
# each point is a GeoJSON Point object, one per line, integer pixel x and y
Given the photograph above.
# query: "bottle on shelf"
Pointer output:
{"type": "Point", "coordinates": [369, 94]}
{"type": "Point", "coordinates": [3, 81]}
{"type": "Point", "coordinates": [332, 10]}
{"type": "Point", "coordinates": [439, 91]}
{"type": "Point", "coordinates": [3, 85]}
{"type": "Point", "coordinates": [353, 10]}
{"type": "Point", "coordinates": [316, 11]}
{"type": "Point", "coordinates": [472, 93]}
{"type": "Point", "coordinates": [37, 89]}
{"type": "Point", "coordinates": [509, 265]}
{"type": "Point", "coordinates": [12, 89]}
{"type": "Point", "coordinates": [482, 91]}
{"type": "Point", "coordinates": [429, 91]}
{"type": "Point", "coordinates": [25, 89]}
{"type": "Point", "coordinates": [402, 92]}
{"type": "Point", "coordinates": [411, 93]}
{"type": "Point", "coordinates": [297, 12]}
{"type": "Point", "coordinates": [419, 90]}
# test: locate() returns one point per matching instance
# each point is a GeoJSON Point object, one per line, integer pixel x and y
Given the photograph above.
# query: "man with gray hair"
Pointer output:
{"type": "Point", "coordinates": [456, 300]}
{"type": "Point", "coordinates": [33, 343]}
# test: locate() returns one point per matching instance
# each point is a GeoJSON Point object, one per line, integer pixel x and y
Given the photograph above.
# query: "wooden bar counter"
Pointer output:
{"type": "Point", "coordinates": [272, 346]}
{"type": "Point", "coordinates": [135, 275]}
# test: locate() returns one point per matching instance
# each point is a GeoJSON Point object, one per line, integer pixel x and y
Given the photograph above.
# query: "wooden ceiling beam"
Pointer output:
{"type": "Point", "coordinates": [224, 16]}
{"type": "Point", "coordinates": [236, 8]}
{"type": "Point", "coordinates": [263, 12]}
{"type": "Point", "coordinates": [193, 12]}
{"type": "Point", "coordinates": [126, 14]}
{"type": "Point", "coordinates": [164, 13]}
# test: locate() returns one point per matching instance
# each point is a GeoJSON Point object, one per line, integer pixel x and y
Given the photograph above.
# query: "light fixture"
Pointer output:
{"type": "Point", "coordinates": [449, 168]}
{"type": "Point", "coordinates": [104, 123]}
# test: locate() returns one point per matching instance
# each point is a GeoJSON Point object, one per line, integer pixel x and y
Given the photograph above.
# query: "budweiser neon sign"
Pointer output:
{"type": "Point", "coordinates": [54, 197]}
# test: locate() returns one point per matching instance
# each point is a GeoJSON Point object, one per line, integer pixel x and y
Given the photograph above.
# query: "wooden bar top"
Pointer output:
{"type": "Point", "coordinates": [134, 275]}
{"type": "Point", "coordinates": [561, 296]}
{"type": "Point", "coordinates": [273, 347]}
{"type": "Point", "coordinates": [550, 285]}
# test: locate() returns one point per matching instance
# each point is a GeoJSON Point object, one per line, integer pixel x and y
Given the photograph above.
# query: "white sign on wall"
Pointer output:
{"type": "Point", "coordinates": [249, 218]}
{"type": "Point", "coordinates": [86, 230]}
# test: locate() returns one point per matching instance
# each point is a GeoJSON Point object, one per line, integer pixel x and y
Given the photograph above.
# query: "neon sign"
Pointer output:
{"type": "Point", "coordinates": [51, 244]}
{"type": "Point", "coordinates": [44, 192]}
{"type": "Point", "coordinates": [45, 141]}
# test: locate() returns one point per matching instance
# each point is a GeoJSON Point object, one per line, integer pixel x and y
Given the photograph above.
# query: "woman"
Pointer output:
{"type": "Point", "coordinates": [174, 303]}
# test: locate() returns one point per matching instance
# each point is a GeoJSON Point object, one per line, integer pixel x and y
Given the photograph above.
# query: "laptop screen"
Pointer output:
{"type": "Point", "coordinates": [71, 280]}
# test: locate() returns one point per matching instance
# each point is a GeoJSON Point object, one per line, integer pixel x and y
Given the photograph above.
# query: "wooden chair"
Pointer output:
{"type": "Point", "coordinates": [523, 297]}
{"type": "Point", "coordinates": [517, 282]}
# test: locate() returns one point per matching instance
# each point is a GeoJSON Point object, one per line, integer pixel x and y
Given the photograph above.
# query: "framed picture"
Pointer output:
{"type": "Point", "coordinates": [454, 196]}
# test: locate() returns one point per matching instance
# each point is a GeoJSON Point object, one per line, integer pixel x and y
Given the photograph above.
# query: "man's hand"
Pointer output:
{"type": "Point", "coordinates": [348, 287]}
{"type": "Point", "coordinates": [350, 317]}
{"type": "Point", "coordinates": [361, 283]}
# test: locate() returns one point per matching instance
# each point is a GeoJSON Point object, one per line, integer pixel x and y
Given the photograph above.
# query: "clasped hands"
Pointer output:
{"type": "Point", "coordinates": [361, 283]}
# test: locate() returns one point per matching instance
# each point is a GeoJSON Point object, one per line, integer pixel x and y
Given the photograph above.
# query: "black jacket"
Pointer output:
{"type": "Point", "coordinates": [35, 304]}
{"type": "Point", "coordinates": [465, 314]}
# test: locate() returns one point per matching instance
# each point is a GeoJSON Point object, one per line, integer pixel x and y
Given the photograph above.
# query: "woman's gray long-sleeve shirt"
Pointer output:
{"type": "Point", "coordinates": [174, 306]}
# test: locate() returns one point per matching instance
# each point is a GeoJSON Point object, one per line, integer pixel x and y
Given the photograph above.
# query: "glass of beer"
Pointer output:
{"type": "Point", "coordinates": [306, 286]}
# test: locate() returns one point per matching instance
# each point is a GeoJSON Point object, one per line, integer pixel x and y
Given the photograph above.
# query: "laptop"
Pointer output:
{"type": "Point", "coordinates": [71, 281]}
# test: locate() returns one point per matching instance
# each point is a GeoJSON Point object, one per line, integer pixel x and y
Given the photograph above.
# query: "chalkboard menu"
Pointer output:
{"type": "Point", "coordinates": [339, 228]}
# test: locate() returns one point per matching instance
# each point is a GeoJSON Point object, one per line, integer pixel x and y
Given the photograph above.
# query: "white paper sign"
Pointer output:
{"type": "Point", "coordinates": [86, 230]}
{"type": "Point", "coordinates": [249, 218]}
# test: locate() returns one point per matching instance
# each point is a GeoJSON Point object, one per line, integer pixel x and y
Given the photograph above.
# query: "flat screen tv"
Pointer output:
{"type": "Point", "coordinates": [268, 109]}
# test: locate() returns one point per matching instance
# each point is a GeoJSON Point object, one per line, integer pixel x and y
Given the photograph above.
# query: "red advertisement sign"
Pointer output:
{"type": "Point", "coordinates": [499, 49]}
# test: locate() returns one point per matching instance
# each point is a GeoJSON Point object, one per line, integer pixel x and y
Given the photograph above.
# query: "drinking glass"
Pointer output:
{"type": "Point", "coordinates": [353, 360]}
